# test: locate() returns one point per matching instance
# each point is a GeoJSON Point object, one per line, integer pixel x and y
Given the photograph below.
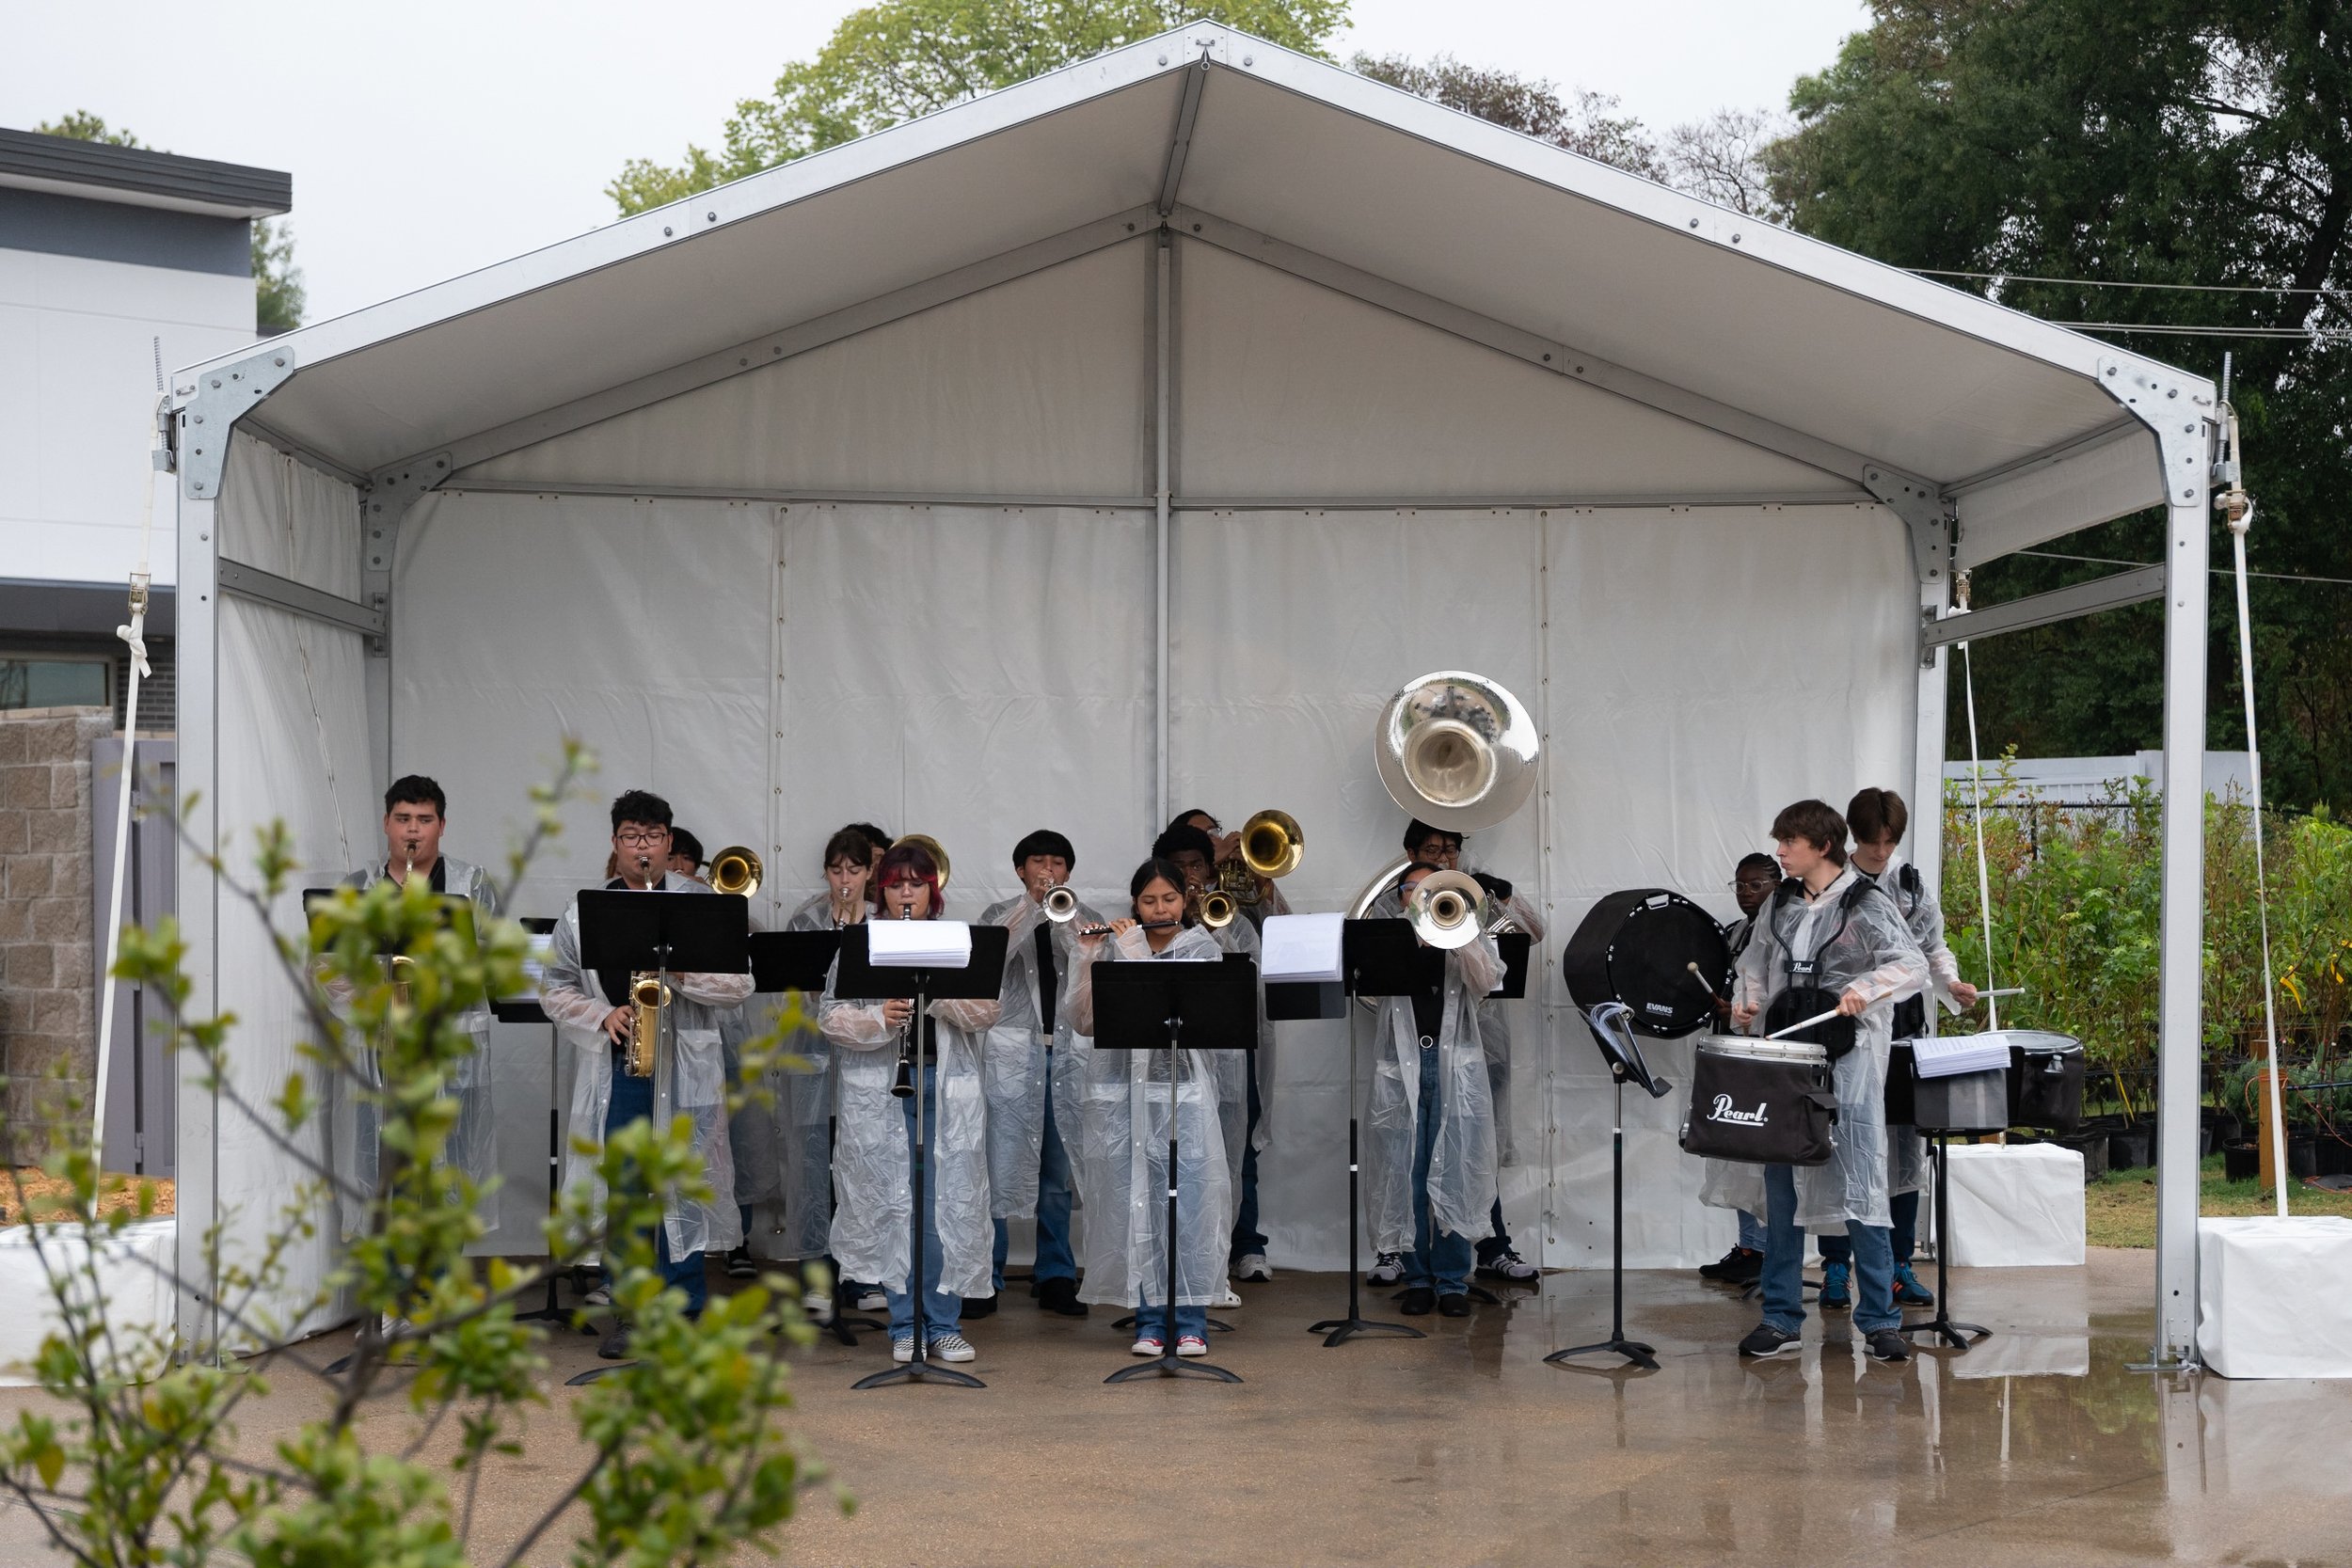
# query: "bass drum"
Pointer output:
{"type": "Point", "coordinates": [1637, 947]}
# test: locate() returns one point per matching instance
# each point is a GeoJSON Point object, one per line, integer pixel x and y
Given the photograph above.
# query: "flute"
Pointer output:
{"type": "Point", "coordinates": [1139, 925]}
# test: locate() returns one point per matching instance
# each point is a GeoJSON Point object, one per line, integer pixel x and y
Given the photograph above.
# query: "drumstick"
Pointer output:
{"type": "Point", "coordinates": [1712, 994]}
{"type": "Point", "coordinates": [1804, 1023]}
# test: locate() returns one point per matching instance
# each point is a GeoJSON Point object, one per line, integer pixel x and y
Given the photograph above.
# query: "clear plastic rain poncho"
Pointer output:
{"type": "Point", "coordinates": [688, 1075]}
{"type": "Point", "coordinates": [473, 1143]}
{"type": "Point", "coordinates": [1017, 1066]}
{"type": "Point", "coordinates": [873, 1150]}
{"type": "Point", "coordinates": [1462, 1165]}
{"type": "Point", "coordinates": [783, 1148]}
{"type": "Point", "coordinates": [1906, 1150]}
{"type": "Point", "coordinates": [1121, 1175]}
{"type": "Point", "coordinates": [1494, 1034]}
{"type": "Point", "coordinates": [1233, 1068]}
{"type": "Point", "coordinates": [1870, 949]}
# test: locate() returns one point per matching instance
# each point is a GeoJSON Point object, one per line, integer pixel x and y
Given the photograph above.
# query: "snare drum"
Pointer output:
{"type": "Point", "coordinates": [1761, 1101]}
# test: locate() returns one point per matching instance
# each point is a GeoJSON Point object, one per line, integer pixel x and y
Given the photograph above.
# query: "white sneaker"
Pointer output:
{"type": "Point", "coordinates": [902, 1350]}
{"type": "Point", "coordinates": [873, 1300]}
{"type": "Point", "coordinates": [600, 1296]}
{"type": "Point", "coordinates": [1230, 1298]}
{"type": "Point", "coordinates": [1146, 1346]}
{"type": "Point", "coordinates": [952, 1347]}
{"type": "Point", "coordinates": [1254, 1270]}
{"type": "Point", "coordinates": [818, 1306]}
{"type": "Point", "coordinates": [1387, 1269]}
{"type": "Point", "coordinates": [1192, 1344]}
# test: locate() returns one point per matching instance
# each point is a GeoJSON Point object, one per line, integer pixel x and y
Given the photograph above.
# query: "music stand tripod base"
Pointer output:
{"type": "Point", "coordinates": [1954, 1334]}
{"type": "Point", "coordinates": [919, 1370]}
{"type": "Point", "coordinates": [1640, 1354]}
{"type": "Point", "coordinates": [1168, 1364]}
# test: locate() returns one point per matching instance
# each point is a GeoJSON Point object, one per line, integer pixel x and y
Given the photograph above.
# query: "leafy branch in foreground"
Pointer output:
{"type": "Point", "coordinates": [135, 1458]}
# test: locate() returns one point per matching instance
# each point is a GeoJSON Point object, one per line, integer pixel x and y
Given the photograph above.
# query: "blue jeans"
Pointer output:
{"type": "Point", "coordinates": [1752, 1232]}
{"type": "Point", "coordinates": [1784, 1263]}
{"type": "Point", "coordinates": [1247, 1237]}
{"type": "Point", "coordinates": [1152, 1322]}
{"type": "Point", "coordinates": [1439, 1262]}
{"type": "Point", "coordinates": [1903, 1207]}
{"type": "Point", "coordinates": [938, 1311]}
{"type": "Point", "coordinates": [1054, 1259]}
{"type": "Point", "coordinates": [633, 1101]}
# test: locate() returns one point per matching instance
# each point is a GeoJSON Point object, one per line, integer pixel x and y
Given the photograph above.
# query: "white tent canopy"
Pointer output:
{"type": "Point", "coordinates": [1115, 444]}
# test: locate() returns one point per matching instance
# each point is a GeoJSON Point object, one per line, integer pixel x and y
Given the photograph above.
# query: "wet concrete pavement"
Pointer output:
{"type": "Point", "coordinates": [2037, 1445]}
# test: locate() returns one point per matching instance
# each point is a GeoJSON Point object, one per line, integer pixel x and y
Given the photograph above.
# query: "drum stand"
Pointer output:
{"type": "Point", "coordinates": [1954, 1335]}
{"type": "Point", "coordinates": [1640, 1354]}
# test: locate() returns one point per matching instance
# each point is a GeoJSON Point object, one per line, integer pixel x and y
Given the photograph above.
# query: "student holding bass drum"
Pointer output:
{"type": "Point", "coordinates": [1828, 942]}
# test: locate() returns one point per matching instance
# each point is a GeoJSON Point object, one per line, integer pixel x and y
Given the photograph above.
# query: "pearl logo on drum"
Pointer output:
{"type": "Point", "coordinates": [1723, 1111]}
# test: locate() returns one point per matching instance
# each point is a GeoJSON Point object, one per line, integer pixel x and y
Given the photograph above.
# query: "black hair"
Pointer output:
{"type": "Point", "coordinates": [1158, 868]}
{"type": "Point", "coordinates": [1818, 823]}
{"type": "Point", "coordinates": [1044, 841]}
{"type": "Point", "coordinates": [1418, 832]}
{"type": "Point", "coordinates": [684, 842]}
{"type": "Point", "coordinates": [416, 790]}
{"type": "Point", "coordinates": [1183, 818]}
{"type": "Point", "coordinates": [871, 835]}
{"type": "Point", "coordinates": [1757, 858]}
{"type": "Point", "coordinates": [1417, 865]}
{"type": "Point", "coordinates": [850, 843]}
{"type": "Point", "coordinates": [640, 806]}
{"type": "Point", "coordinates": [1183, 839]}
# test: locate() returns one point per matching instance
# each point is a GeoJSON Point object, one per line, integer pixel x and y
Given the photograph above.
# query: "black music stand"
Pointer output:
{"type": "Point", "coordinates": [1143, 1006]}
{"type": "Point", "coordinates": [1612, 1025]}
{"type": "Point", "coordinates": [859, 979]}
{"type": "Point", "coordinates": [659, 933]}
{"type": "Point", "coordinates": [1379, 958]}
{"type": "Point", "coordinates": [1943, 1326]}
{"type": "Point", "coordinates": [526, 1010]}
{"type": "Point", "coordinates": [799, 962]}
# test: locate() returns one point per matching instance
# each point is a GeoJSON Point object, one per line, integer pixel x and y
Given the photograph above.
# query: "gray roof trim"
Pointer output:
{"type": "Point", "coordinates": [32, 607]}
{"type": "Point", "coordinates": [141, 177]}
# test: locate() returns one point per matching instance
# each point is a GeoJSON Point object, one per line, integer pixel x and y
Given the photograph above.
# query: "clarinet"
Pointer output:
{"type": "Point", "coordinates": [904, 1086]}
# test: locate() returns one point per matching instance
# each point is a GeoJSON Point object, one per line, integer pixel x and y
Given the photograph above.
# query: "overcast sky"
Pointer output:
{"type": "Point", "coordinates": [430, 137]}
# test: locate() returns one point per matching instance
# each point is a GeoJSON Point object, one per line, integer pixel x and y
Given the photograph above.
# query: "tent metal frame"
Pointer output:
{"type": "Point", "coordinates": [2176, 409]}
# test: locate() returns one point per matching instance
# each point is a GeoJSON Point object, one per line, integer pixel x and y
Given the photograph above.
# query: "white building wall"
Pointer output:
{"type": "Point", "coordinates": [77, 395]}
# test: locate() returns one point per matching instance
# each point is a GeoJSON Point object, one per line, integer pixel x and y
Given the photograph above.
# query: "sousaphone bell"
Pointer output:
{"type": "Point", "coordinates": [1456, 751]}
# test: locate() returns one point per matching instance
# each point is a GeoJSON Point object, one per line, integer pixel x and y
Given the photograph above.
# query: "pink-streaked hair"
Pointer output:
{"type": "Point", "coordinates": [908, 862]}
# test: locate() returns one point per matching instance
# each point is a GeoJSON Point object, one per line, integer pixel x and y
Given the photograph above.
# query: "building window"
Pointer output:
{"type": "Point", "coordinates": [53, 680]}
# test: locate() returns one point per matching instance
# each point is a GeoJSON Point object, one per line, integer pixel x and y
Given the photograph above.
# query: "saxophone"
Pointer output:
{"type": "Point", "coordinates": [648, 996]}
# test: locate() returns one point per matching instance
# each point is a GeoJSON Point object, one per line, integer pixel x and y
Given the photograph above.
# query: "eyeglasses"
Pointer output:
{"type": "Point", "coordinates": [636, 839]}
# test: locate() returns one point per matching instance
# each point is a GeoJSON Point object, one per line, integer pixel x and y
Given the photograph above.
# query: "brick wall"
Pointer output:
{"type": "Point", "coordinates": [48, 1007]}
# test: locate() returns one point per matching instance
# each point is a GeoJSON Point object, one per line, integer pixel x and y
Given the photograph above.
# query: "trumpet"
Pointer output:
{"type": "Point", "coordinates": [1448, 909]}
{"type": "Point", "coordinates": [735, 869]}
{"type": "Point", "coordinates": [1061, 905]}
{"type": "Point", "coordinates": [648, 997]}
{"type": "Point", "coordinates": [1271, 847]}
{"type": "Point", "coordinates": [1218, 908]}
{"type": "Point", "coordinates": [902, 1087]}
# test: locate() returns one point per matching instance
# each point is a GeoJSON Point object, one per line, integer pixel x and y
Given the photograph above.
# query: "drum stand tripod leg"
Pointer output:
{"type": "Point", "coordinates": [1954, 1334]}
{"type": "Point", "coordinates": [1634, 1350]}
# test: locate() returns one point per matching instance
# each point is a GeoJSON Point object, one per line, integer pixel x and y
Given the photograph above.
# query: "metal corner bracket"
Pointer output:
{"type": "Point", "coordinates": [2178, 411]}
{"type": "Point", "coordinates": [383, 505]}
{"type": "Point", "coordinates": [1924, 511]}
{"type": "Point", "coordinates": [208, 406]}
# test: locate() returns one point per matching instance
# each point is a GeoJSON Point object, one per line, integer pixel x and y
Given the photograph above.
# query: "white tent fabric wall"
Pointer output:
{"type": "Point", "coordinates": [295, 748]}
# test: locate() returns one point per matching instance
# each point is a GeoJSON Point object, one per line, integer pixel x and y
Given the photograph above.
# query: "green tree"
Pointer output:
{"type": "Point", "coordinates": [277, 291]}
{"type": "Point", "coordinates": [135, 1459]}
{"type": "Point", "coordinates": [2161, 143]}
{"type": "Point", "coordinates": [902, 60]}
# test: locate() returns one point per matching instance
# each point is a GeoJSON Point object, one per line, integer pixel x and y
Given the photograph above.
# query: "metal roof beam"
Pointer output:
{"type": "Point", "coordinates": [1180, 142]}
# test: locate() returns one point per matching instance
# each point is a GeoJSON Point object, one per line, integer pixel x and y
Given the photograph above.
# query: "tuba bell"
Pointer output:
{"type": "Point", "coordinates": [930, 847]}
{"type": "Point", "coordinates": [735, 869]}
{"type": "Point", "coordinates": [1456, 751]}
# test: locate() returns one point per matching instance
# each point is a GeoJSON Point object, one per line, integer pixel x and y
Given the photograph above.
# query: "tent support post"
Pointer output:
{"type": "Point", "coordinates": [383, 507]}
{"type": "Point", "coordinates": [1927, 517]}
{"type": "Point", "coordinates": [1161, 305]}
{"type": "Point", "coordinates": [2179, 410]}
{"type": "Point", "coordinates": [198, 730]}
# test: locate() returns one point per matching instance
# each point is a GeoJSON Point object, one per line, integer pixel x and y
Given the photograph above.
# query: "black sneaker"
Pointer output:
{"type": "Point", "coordinates": [1455, 1306]}
{"type": "Point", "coordinates": [1740, 1266]}
{"type": "Point", "coordinates": [1060, 1295]}
{"type": "Point", "coordinates": [1419, 1301]}
{"type": "Point", "coordinates": [739, 1264]}
{"type": "Point", "coordinates": [1885, 1344]}
{"type": "Point", "coordinates": [1764, 1340]}
{"type": "Point", "coordinates": [615, 1346]}
{"type": "Point", "coordinates": [978, 1307]}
